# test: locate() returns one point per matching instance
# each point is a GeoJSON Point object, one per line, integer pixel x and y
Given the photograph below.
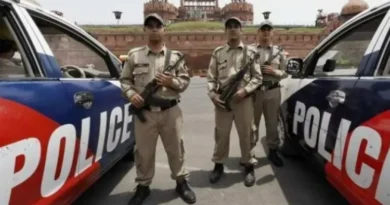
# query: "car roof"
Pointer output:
{"type": "Point", "coordinates": [35, 6]}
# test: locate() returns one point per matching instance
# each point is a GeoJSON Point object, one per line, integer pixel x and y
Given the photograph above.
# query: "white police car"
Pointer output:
{"type": "Point", "coordinates": [336, 107]}
{"type": "Point", "coordinates": [63, 119]}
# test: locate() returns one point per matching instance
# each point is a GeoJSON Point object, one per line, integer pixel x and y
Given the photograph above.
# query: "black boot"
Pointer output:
{"type": "Point", "coordinates": [274, 158]}
{"type": "Point", "coordinates": [140, 195]}
{"type": "Point", "coordinates": [185, 192]}
{"type": "Point", "coordinates": [217, 173]}
{"type": "Point", "coordinates": [249, 176]}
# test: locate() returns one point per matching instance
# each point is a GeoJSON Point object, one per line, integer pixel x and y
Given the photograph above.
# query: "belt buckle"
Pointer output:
{"type": "Point", "coordinates": [155, 109]}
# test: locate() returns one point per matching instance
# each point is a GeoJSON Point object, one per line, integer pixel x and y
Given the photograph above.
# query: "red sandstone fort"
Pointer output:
{"type": "Point", "coordinates": [195, 28]}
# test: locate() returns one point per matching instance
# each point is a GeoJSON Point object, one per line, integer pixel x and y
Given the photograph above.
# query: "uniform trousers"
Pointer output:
{"type": "Point", "coordinates": [267, 102]}
{"type": "Point", "coordinates": [168, 125]}
{"type": "Point", "coordinates": [242, 116]}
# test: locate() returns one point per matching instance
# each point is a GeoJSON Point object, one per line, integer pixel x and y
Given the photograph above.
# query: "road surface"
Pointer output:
{"type": "Point", "coordinates": [294, 184]}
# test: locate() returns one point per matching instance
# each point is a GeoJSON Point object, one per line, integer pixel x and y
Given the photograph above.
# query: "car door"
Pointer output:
{"type": "Point", "coordinates": [91, 80]}
{"type": "Point", "coordinates": [90, 74]}
{"type": "Point", "coordinates": [321, 111]}
{"type": "Point", "coordinates": [33, 109]}
{"type": "Point", "coordinates": [367, 147]}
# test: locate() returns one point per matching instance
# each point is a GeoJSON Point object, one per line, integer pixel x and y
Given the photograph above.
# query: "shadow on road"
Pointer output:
{"type": "Point", "coordinates": [298, 175]}
{"type": "Point", "coordinates": [105, 185]}
{"type": "Point", "coordinates": [200, 178]}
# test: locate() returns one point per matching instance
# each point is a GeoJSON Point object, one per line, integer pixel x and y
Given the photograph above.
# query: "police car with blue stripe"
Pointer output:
{"type": "Point", "coordinates": [64, 122]}
{"type": "Point", "coordinates": [336, 107]}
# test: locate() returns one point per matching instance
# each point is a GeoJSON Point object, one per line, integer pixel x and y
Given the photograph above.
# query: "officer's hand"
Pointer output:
{"type": "Point", "coordinates": [164, 79]}
{"type": "Point", "coordinates": [137, 101]}
{"type": "Point", "coordinates": [267, 69]}
{"type": "Point", "coordinates": [218, 102]}
{"type": "Point", "coordinates": [240, 94]}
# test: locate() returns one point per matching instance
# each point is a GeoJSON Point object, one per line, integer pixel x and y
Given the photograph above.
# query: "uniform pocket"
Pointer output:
{"type": "Point", "coordinates": [141, 76]}
{"type": "Point", "coordinates": [223, 71]}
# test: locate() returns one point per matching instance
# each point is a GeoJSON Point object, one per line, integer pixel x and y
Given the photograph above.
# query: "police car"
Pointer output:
{"type": "Point", "coordinates": [336, 107]}
{"type": "Point", "coordinates": [63, 119]}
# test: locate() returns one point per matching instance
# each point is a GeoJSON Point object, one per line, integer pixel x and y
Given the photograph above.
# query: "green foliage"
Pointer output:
{"type": "Point", "coordinates": [197, 26]}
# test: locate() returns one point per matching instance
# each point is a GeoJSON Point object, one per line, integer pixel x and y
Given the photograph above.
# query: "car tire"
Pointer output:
{"type": "Point", "coordinates": [286, 143]}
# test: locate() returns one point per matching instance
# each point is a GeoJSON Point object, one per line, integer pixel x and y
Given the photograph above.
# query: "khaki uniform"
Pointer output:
{"type": "Point", "coordinates": [225, 62]}
{"type": "Point", "coordinates": [141, 67]}
{"type": "Point", "coordinates": [267, 98]}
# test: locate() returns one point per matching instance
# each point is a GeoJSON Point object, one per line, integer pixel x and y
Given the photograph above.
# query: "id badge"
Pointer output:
{"type": "Point", "coordinates": [155, 109]}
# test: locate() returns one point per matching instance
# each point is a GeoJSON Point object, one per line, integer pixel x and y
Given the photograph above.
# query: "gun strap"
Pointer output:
{"type": "Point", "coordinates": [270, 54]}
{"type": "Point", "coordinates": [244, 60]}
{"type": "Point", "coordinates": [245, 53]}
{"type": "Point", "coordinates": [167, 58]}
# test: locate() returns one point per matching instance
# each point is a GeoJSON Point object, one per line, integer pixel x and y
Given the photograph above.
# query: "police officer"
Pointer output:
{"type": "Point", "coordinates": [268, 95]}
{"type": "Point", "coordinates": [226, 60]}
{"type": "Point", "coordinates": [143, 65]}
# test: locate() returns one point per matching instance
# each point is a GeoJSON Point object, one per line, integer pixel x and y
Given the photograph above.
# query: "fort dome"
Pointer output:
{"type": "Point", "coordinates": [239, 8]}
{"type": "Point", "coordinates": [354, 7]}
{"type": "Point", "coordinates": [163, 8]}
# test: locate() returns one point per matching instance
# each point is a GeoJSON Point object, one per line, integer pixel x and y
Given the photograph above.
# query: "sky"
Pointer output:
{"type": "Point", "coordinates": [298, 12]}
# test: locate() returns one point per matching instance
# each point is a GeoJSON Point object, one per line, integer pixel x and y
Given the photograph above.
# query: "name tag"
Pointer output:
{"type": "Point", "coordinates": [155, 109]}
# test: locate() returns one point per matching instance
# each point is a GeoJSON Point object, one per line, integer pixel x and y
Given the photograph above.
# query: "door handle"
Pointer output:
{"type": "Point", "coordinates": [84, 99]}
{"type": "Point", "coordinates": [336, 97]}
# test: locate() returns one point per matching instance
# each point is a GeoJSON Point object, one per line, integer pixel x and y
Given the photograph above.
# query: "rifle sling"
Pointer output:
{"type": "Point", "coordinates": [167, 58]}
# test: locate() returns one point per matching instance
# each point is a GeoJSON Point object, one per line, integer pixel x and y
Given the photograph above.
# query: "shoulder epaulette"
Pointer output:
{"type": "Point", "coordinates": [252, 48]}
{"type": "Point", "coordinates": [218, 49]}
{"type": "Point", "coordinates": [176, 52]}
{"type": "Point", "coordinates": [136, 49]}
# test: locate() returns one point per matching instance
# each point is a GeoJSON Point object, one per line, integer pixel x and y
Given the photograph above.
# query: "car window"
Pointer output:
{"type": "Point", "coordinates": [71, 51]}
{"type": "Point", "coordinates": [13, 59]}
{"type": "Point", "coordinates": [349, 50]}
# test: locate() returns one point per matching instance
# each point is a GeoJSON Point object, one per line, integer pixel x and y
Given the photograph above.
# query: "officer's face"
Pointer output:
{"type": "Point", "coordinates": [265, 33]}
{"type": "Point", "coordinates": [154, 30]}
{"type": "Point", "coordinates": [233, 30]}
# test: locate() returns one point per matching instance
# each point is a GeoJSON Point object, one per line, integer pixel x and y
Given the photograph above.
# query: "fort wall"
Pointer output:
{"type": "Point", "coordinates": [199, 46]}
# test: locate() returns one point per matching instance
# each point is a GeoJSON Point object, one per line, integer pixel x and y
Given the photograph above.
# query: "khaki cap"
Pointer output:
{"type": "Point", "coordinates": [266, 23]}
{"type": "Point", "coordinates": [154, 16]}
{"type": "Point", "coordinates": [233, 19]}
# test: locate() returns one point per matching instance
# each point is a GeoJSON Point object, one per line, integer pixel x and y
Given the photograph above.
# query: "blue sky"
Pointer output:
{"type": "Point", "coordinates": [283, 11]}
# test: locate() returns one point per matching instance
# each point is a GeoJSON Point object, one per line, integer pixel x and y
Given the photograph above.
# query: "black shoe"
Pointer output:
{"type": "Point", "coordinates": [249, 176]}
{"type": "Point", "coordinates": [140, 195]}
{"type": "Point", "coordinates": [274, 158]}
{"type": "Point", "coordinates": [185, 192]}
{"type": "Point", "coordinates": [217, 173]}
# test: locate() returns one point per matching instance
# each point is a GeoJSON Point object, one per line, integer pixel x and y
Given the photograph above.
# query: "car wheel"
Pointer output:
{"type": "Point", "coordinates": [286, 144]}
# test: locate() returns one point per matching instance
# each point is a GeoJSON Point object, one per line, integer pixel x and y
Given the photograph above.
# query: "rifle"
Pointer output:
{"type": "Point", "coordinates": [268, 62]}
{"type": "Point", "coordinates": [231, 87]}
{"type": "Point", "coordinates": [147, 94]}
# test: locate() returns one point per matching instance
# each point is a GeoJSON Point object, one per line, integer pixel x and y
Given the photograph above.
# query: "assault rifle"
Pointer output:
{"type": "Point", "coordinates": [147, 94]}
{"type": "Point", "coordinates": [226, 93]}
{"type": "Point", "coordinates": [268, 62]}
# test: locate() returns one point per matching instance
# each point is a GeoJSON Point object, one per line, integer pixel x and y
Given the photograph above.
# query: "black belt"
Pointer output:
{"type": "Point", "coordinates": [269, 87]}
{"type": "Point", "coordinates": [167, 106]}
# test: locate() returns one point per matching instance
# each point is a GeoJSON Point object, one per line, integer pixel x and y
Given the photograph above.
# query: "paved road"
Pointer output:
{"type": "Point", "coordinates": [294, 184]}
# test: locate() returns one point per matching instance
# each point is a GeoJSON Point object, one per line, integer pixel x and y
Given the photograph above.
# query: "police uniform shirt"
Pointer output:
{"type": "Point", "coordinates": [278, 63]}
{"type": "Point", "coordinates": [142, 66]}
{"type": "Point", "coordinates": [226, 61]}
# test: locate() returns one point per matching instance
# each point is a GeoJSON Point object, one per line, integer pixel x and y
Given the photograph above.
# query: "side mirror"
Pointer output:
{"type": "Point", "coordinates": [330, 66]}
{"type": "Point", "coordinates": [294, 66]}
